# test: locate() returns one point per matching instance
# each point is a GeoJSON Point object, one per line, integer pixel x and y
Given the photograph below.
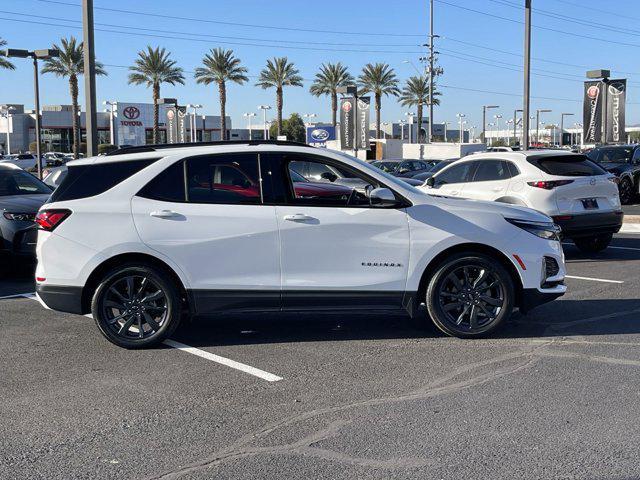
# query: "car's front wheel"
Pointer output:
{"type": "Point", "coordinates": [625, 188]}
{"type": "Point", "coordinates": [136, 306]}
{"type": "Point", "coordinates": [594, 243]}
{"type": "Point", "coordinates": [470, 295]}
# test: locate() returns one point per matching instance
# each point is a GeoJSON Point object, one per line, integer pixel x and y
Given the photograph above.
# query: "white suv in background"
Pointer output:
{"type": "Point", "coordinates": [145, 235]}
{"type": "Point", "coordinates": [580, 196]}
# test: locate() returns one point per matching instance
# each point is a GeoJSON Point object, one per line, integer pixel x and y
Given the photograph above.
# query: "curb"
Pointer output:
{"type": "Point", "coordinates": [632, 219]}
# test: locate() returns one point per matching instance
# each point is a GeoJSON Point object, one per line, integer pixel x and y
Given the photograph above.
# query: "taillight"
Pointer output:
{"type": "Point", "coordinates": [549, 185]}
{"type": "Point", "coordinates": [49, 219]}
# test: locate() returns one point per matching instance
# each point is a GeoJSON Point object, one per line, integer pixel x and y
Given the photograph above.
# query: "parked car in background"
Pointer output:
{"type": "Point", "coordinates": [25, 161]}
{"type": "Point", "coordinates": [54, 176]}
{"type": "Point", "coordinates": [624, 162]}
{"type": "Point", "coordinates": [142, 237]}
{"type": "Point", "coordinates": [55, 159]}
{"type": "Point", "coordinates": [21, 195]}
{"type": "Point", "coordinates": [422, 177]}
{"type": "Point", "coordinates": [577, 193]}
{"type": "Point", "coordinates": [403, 167]}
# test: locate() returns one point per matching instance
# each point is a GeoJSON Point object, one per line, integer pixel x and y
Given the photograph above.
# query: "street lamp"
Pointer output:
{"type": "Point", "coordinates": [460, 117]}
{"type": "Point", "coordinates": [538, 112]}
{"type": "Point", "coordinates": [562, 115]}
{"type": "Point", "coordinates": [249, 116]}
{"type": "Point", "coordinates": [515, 125]}
{"type": "Point", "coordinates": [446, 126]}
{"type": "Point", "coordinates": [410, 115]}
{"type": "Point", "coordinates": [309, 116]}
{"type": "Point", "coordinates": [193, 122]}
{"type": "Point", "coordinates": [497, 117]}
{"type": "Point", "coordinates": [44, 54]}
{"type": "Point", "coordinates": [402, 122]}
{"type": "Point", "coordinates": [264, 109]}
{"type": "Point", "coordinates": [112, 134]}
{"type": "Point", "coordinates": [5, 111]}
{"type": "Point", "coordinates": [484, 120]}
{"type": "Point", "coordinates": [384, 132]}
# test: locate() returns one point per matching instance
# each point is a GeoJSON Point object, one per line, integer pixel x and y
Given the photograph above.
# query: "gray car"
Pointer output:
{"type": "Point", "coordinates": [21, 195]}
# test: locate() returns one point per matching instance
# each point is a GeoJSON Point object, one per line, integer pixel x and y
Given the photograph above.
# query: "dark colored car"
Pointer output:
{"type": "Point", "coordinates": [624, 162]}
{"type": "Point", "coordinates": [404, 168]}
{"type": "Point", "coordinates": [422, 176]}
{"type": "Point", "coordinates": [304, 188]}
{"type": "Point", "coordinates": [21, 195]}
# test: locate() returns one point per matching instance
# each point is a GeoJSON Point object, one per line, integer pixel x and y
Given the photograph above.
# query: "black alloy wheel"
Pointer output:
{"type": "Point", "coordinates": [136, 306]}
{"type": "Point", "coordinates": [625, 188]}
{"type": "Point", "coordinates": [470, 295]}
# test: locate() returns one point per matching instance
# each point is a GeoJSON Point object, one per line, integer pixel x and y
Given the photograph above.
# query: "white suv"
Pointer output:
{"type": "Point", "coordinates": [580, 196]}
{"type": "Point", "coordinates": [145, 235]}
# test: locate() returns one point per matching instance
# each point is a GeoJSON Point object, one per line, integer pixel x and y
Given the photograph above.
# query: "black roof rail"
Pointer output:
{"type": "Point", "coordinates": [163, 146]}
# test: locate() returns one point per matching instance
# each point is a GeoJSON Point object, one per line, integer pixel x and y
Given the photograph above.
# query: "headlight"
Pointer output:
{"type": "Point", "coordinates": [21, 217]}
{"type": "Point", "coordinates": [546, 230]}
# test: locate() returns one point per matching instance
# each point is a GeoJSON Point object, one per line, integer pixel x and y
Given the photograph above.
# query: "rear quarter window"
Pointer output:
{"type": "Point", "coordinates": [567, 165]}
{"type": "Point", "coordinates": [83, 181]}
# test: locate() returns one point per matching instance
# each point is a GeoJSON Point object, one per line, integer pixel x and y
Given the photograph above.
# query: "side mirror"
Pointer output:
{"type": "Point", "coordinates": [332, 177]}
{"type": "Point", "coordinates": [382, 197]}
{"type": "Point", "coordinates": [430, 182]}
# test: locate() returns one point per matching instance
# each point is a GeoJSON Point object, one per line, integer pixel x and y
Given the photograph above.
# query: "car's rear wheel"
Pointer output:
{"type": "Point", "coordinates": [136, 306]}
{"type": "Point", "coordinates": [625, 189]}
{"type": "Point", "coordinates": [594, 243]}
{"type": "Point", "coordinates": [470, 295]}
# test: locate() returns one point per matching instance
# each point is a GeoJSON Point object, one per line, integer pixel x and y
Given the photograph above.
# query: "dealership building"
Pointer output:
{"type": "Point", "coordinates": [123, 123]}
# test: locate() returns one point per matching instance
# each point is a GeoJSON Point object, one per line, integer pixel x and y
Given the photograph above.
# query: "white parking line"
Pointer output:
{"type": "Point", "coordinates": [615, 248]}
{"type": "Point", "coordinates": [630, 228]}
{"type": "Point", "coordinates": [269, 377]}
{"type": "Point", "coordinates": [594, 279]}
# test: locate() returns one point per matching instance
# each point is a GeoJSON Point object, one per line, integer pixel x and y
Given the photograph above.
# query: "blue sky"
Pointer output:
{"type": "Point", "coordinates": [469, 48]}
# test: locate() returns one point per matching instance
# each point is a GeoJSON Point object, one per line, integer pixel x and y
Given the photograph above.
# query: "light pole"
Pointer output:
{"type": "Point", "coordinates": [410, 115]}
{"type": "Point", "coordinates": [562, 115]}
{"type": "Point", "coordinates": [384, 132]}
{"type": "Point", "coordinates": [460, 117]}
{"type": "Point", "coordinates": [112, 134]}
{"type": "Point", "coordinates": [309, 116]}
{"type": "Point", "coordinates": [89, 60]}
{"type": "Point", "coordinates": [446, 125]}
{"type": "Point", "coordinates": [264, 109]}
{"type": "Point", "coordinates": [193, 121]}
{"type": "Point", "coordinates": [538, 112]}
{"type": "Point", "coordinates": [5, 111]}
{"type": "Point", "coordinates": [473, 134]}
{"type": "Point", "coordinates": [497, 117]}
{"type": "Point", "coordinates": [249, 116]}
{"type": "Point", "coordinates": [515, 124]}
{"type": "Point", "coordinates": [526, 102]}
{"type": "Point", "coordinates": [490, 125]}
{"type": "Point", "coordinates": [484, 120]}
{"type": "Point", "coordinates": [402, 122]}
{"type": "Point", "coordinates": [36, 55]}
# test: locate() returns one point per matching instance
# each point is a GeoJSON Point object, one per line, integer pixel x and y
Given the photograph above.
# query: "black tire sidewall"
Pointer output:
{"type": "Point", "coordinates": [629, 185]}
{"type": "Point", "coordinates": [434, 309]}
{"type": "Point", "coordinates": [163, 281]}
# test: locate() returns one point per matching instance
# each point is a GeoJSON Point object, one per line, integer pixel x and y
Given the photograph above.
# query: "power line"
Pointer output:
{"type": "Point", "coordinates": [599, 10]}
{"type": "Point", "coordinates": [236, 24]}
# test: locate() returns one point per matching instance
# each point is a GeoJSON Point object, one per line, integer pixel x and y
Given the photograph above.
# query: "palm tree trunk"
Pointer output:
{"type": "Point", "coordinates": [378, 108]}
{"type": "Point", "coordinates": [156, 112]}
{"type": "Point", "coordinates": [223, 110]}
{"type": "Point", "coordinates": [419, 130]}
{"type": "Point", "coordinates": [334, 108]}
{"type": "Point", "coordinates": [73, 88]}
{"type": "Point", "coordinates": [279, 107]}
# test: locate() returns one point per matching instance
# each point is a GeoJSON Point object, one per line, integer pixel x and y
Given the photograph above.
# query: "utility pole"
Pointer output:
{"type": "Point", "coordinates": [89, 58]}
{"type": "Point", "coordinates": [527, 74]}
{"type": "Point", "coordinates": [515, 125]}
{"type": "Point", "coordinates": [431, 38]}
{"type": "Point", "coordinates": [484, 121]}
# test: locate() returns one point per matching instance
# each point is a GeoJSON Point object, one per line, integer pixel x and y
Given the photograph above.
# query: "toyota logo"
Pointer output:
{"type": "Point", "coordinates": [346, 106]}
{"type": "Point", "coordinates": [593, 91]}
{"type": "Point", "coordinates": [319, 134]}
{"type": "Point", "coordinates": [131, 113]}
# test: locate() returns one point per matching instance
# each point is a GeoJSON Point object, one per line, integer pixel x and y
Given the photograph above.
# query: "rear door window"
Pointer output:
{"type": "Point", "coordinates": [567, 165]}
{"type": "Point", "coordinates": [84, 181]}
{"type": "Point", "coordinates": [168, 186]}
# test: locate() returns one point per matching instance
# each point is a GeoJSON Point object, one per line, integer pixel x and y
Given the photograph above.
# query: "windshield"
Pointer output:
{"type": "Point", "coordinates": [19, 182]}
{"type": "Point", "coordinates": [388, 167]}
{"type": "Point", "coordinates": [296, 177]}
{"type": "Point", "coordinates": [439, 166]}
{"type": "Point", "coordinates": [566, 165]}
{"type": "Point", "coordinates": [611, 155]}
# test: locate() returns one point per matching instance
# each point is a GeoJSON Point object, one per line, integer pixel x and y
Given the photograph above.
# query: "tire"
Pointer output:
{"type": "Point", "coordinates": [135, 297]}
{"type": "Point", "coordinates": [625, 188]}
{"type": "Point", "coordinates": [593, 244]}
{"type": "Point", "coordinates": [464, 308]}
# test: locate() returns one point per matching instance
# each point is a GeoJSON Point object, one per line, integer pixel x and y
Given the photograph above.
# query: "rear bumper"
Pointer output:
{"type": "Point", "coordinates": [532, 297]}
{"type": "Point", "coordinates": [61, 298]}
{"type": "Point", "coordinates": [589, 224]}
{"type": "Point", "coordinates": [21, 240]}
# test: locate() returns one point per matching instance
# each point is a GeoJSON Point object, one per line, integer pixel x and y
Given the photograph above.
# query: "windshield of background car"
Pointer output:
{"type": "Point", "coordinates": [611, 155]}
{"type": "Point", "coordinates": [388, 167]}
{"type": "Point", "coordinates": [19, 182]}
{"type": "Point", "coordinates": [567, 165]}
{"type": "Point", "coordinates": [439, 166]}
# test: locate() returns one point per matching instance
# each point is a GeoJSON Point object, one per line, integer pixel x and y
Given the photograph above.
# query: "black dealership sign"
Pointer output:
{"type": "Point", "coordinates": [363, 123]}
{"type": "Point", "coordinates": [181, 126]}
{"type": "Point", "coordinates": [592, 112]}
{"type": "Point", "coordinates": [616, 91]}
{"type": "Point", "coordinates": [347, 112]}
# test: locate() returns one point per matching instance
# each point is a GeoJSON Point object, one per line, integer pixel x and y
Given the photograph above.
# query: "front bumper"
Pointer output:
{"type": "Point", "coordinates": [61, 298]}
{"type": "Point", "coordinates": [19, 238]}
{"type": "Point", "coordinates": [585, 225]}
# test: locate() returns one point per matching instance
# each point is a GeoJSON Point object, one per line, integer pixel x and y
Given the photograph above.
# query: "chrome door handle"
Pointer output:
{"type": "Point", "coordinates": [164, 214]}
{"type": "Point", "coordinates": [298, 217]}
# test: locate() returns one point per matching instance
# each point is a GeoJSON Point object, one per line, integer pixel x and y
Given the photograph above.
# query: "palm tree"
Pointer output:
{"type": "Point", "coordinates": [4, 63]}
{"type": "Point", "coordinates": [153, 67]}
{"type": "Point", "coordinates": [416, 94]}
{"type": "Point", "coordinates": [70, 64]}
{"type": "Point", "coordinates": [221, 66]}
{"type": "Point", "coordinates": [277, 74]}
{"type": "Point", "coordinates": [328, 79]}
{"type": "Point", "coordinates": [378, 79]}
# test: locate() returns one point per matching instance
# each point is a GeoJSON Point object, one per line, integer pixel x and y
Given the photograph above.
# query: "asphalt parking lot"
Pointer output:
{"type": "Point", "coordinates": [555, 395]}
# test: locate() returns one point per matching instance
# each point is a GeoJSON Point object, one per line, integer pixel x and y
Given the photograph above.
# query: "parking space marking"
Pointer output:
{"type": "Point", "coordinates": [593, 279]}
{"type": "Point", "coordinates": [630, 228]}
{"type": "Point", "coordinates": [269, 377]}
{"type": "Point", "coordinates": [19, 295]}
{"type": "Point", "coordinates": [610, 246]}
